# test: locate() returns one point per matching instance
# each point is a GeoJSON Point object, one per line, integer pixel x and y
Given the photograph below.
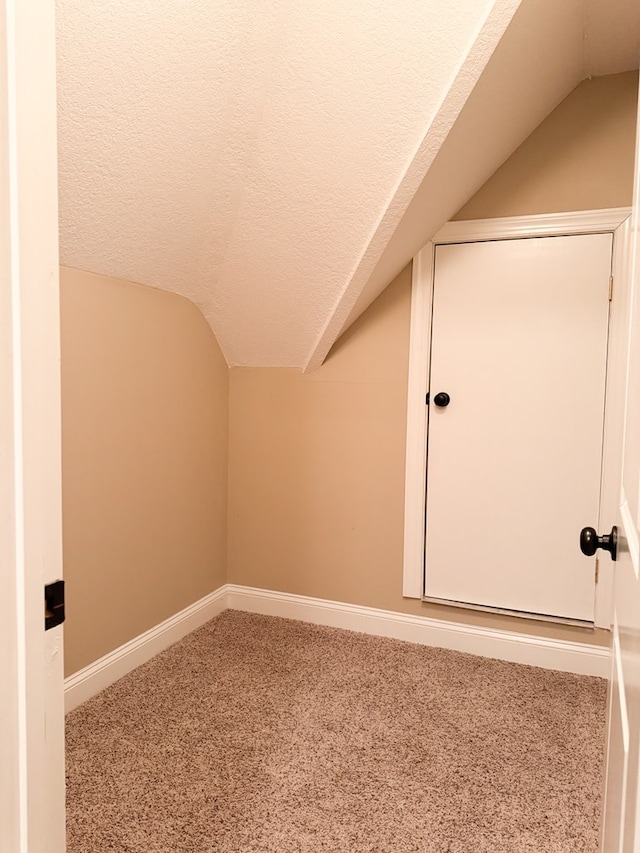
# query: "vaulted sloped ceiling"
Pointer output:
{"type": "Point", "coordinates": [277, 162]}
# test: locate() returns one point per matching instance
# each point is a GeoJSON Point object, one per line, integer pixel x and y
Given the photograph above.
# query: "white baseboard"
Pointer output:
{"type": "Point", "coordinates": [580, 658]}
{"type": "Point", "coordinates": [85, 683]}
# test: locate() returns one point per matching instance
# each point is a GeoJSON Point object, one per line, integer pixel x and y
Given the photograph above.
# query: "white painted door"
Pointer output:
{"type": "Point", "coordinates": [31, 708]}
{"type": "Point", "coordinates": [621, 830]}
{"type": "Point", "coordinates": [519, 342]}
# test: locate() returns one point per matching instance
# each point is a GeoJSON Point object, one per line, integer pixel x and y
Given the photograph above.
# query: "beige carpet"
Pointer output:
{"type": "Point", "coordinates": [262, 734]}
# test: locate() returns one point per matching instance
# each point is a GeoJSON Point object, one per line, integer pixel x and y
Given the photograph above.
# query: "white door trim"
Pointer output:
{"type": "Point", "coordinates": [31, 710]}
{"type": "Point", "coordinates": [416, 461]}
{"type": "Point", "coordinates": [543, 225]}
{"type": "Point", "coordinates": [546, 225]}
{"type": "Point", "coordinates": [565, 656]}
{"type": "Point", "coordinates": [91, 679]}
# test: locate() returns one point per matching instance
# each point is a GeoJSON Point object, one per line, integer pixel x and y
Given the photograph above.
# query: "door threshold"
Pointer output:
{"type": "Point", "coordinates": [502, 611]}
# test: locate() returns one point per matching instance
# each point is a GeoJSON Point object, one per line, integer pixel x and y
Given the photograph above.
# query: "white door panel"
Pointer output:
{"type": "Point", "coordinates": [631, 468]}
{"type": "Point", "coordinates": [621, 830]}
{"type": "Point", "coordinates": [519, 341]}
{"type": "Point", "coordinates": [618, 744]}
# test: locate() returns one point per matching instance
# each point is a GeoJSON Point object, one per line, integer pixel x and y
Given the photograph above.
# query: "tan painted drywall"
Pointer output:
{"type": "Point", "coordinates": [316, 462]}
{"type": "Point", "coordinates": [144, 455]}
{"type": "Point", "coordinates": [581, 157]}
{"type": "Point", "coordinates": [316, 465]}
{"type": "Point", "coordinates": [316, 474]}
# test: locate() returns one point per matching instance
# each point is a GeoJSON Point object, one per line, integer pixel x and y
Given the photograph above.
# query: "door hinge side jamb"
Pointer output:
{"type": "Point", "coordinates": [610, 288]}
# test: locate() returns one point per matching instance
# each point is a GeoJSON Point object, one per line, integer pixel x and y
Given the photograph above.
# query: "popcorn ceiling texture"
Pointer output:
{"type": "Point", "coordinates": [241, 153]}
{"type": "Point", "coordinates": [258, 158]}
{"type": "Point", "coordinates": [548, 48]}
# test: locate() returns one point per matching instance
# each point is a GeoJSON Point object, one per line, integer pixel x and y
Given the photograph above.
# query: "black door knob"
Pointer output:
{"type": "Point", "coordinates": [442, 399]}
{"type": "Point", "coordinates": [590, 541]}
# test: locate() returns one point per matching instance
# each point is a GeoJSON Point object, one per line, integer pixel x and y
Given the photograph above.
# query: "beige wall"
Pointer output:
{"type": "Point", "coordinates": [316, 465]}
{"type": "Point", "coordinates": [145, 420]}
{"type": "Point", "coordinates": [316, 472]}
{"type": "Point", "coordinates": [580, 158]}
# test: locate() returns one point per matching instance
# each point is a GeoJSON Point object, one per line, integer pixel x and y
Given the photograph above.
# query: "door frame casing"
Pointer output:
{"type": "Point", "coordinates": [32, 817]}
{"type": "Point", "coordinates": [423, 275]}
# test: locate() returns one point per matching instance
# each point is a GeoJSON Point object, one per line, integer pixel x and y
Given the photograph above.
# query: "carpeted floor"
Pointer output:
{"type": "Point", "coordinates": [262, 734]}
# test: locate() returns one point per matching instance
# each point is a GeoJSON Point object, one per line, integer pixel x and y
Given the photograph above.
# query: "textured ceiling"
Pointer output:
{"type": "Point", "coordinates": [240, 153]}
{"type": "Point", "coordinates": [547, 50]}
{"type": "Point", "coordinates": [260, 159]}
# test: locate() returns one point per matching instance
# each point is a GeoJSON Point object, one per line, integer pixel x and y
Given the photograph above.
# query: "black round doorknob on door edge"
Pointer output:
{"type": "Point", "coordinates": [590, 541]}
{"type": "Point", "coordinates": [442, 400]}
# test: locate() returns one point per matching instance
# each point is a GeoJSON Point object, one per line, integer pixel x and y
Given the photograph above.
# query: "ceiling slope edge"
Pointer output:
{"type": "Point", "coordinates": [503, 90]}
{"type": "Point", "coordinates": [482, 47]}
